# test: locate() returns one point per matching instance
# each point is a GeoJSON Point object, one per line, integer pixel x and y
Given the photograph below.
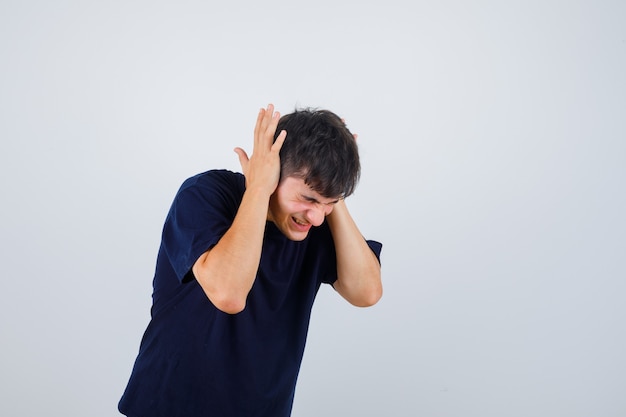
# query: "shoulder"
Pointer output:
{"type": "Point", "coordinates": [217, 178]}
{"type": "Point", "coordinates": [215, 189]}
{"type": "Point", "coordinates": [215, 182]}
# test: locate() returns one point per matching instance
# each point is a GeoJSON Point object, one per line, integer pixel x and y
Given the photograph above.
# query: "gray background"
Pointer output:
{"type": "Point", "coordinates": [493, 144]}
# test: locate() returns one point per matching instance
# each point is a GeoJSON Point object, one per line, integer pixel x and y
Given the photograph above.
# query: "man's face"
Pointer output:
{"type": "Point", "coordinates": [294, 208]}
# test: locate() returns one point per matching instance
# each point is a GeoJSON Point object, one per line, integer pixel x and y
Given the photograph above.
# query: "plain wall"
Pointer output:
{"type": "Point", "coordinates": [493, 142]}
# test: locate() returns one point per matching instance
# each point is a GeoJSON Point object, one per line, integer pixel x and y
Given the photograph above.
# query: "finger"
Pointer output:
{"type": "Point", "coordinates": [270, 129]}
{"type": "Point", "coordinates": [356, 136]}
{"type": "Point", "coordinates": [257, 127]}
{"type": "Point", "coordinates": [278, 143]}
{"type": "Point", "coordinates": [269, 113]}
{"type": "Point", "coordinates": [243, 159]}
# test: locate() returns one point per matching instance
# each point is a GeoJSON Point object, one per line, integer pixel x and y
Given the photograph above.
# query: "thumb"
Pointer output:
{"type": "Point", "coordinates": [243, 159]}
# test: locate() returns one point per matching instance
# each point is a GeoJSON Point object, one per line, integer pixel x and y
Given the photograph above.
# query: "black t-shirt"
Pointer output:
{"type": "Point", "coordinates": [195, 360]}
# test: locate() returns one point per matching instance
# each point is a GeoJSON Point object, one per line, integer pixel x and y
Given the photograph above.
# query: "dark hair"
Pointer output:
{"type": "Point", "coordinates": [319, 149]}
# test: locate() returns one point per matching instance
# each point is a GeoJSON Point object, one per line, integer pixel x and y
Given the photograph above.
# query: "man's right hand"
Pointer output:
{"type": "Point", "coordinates": [262, 169]}
{"type": "Point", "coordinates": [227, 271]}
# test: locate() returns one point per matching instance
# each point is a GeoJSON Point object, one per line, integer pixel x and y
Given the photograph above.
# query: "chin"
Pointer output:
{"type": "Point", "coordinates": [294, 235]}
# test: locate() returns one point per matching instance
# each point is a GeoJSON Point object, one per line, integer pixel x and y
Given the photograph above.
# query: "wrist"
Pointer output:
{"type": "Point", "coordinates": [259, 191]}
{"type": "Point", "coordinates": [339, 211]}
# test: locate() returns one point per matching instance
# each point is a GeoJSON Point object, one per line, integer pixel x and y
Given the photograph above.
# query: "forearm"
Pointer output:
{"type": "Point", "coordinates": [227, 271]}
{"type": "Point", "coordinates": [358, 269]}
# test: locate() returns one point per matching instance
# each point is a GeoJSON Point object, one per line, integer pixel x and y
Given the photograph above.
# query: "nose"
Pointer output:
{"type": "Point", "coordinates": [316, 214]}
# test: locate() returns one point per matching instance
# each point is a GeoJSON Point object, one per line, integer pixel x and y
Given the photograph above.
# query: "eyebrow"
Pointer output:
{"type": "Point", "coordinates": [315, 200]}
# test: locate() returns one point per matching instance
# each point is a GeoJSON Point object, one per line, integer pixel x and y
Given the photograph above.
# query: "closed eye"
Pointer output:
{"type": "Point", "coordinates": [315, 201]}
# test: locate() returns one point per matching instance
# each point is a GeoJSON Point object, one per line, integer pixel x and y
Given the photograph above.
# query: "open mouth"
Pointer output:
{"type": "Point", "coordinates": [301, 224]}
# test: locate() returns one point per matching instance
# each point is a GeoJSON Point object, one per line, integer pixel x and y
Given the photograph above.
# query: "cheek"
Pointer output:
{"type": "Point", "coordinates": [296, 207]}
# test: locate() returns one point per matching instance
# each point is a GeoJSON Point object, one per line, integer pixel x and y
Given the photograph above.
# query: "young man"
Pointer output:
{"type": "Point", "coordinates": [241, 260]}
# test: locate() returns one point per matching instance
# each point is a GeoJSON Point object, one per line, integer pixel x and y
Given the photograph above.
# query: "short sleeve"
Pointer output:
{"type": "Point", "coordinates": [376, 247]}
{"type": "Point", "coordinates": [327, 255]}
{"type": "Point", "coordinates": [331, 276]}
{"type": "Point", "coordinates": [203, 210]}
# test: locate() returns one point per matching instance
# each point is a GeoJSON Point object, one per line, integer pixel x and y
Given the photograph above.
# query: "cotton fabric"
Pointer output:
{"type": "Point", "coordinates": [195, 360]}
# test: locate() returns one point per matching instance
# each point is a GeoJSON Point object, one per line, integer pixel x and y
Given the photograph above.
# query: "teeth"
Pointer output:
{"type": "Point", "coordinates": [299, 222]}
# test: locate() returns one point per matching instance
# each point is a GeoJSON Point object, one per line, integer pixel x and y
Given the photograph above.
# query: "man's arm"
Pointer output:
{"type": "Point", "coordinates": [227, 271]}
{"type": "Point", "coordinates": [358, 269]}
